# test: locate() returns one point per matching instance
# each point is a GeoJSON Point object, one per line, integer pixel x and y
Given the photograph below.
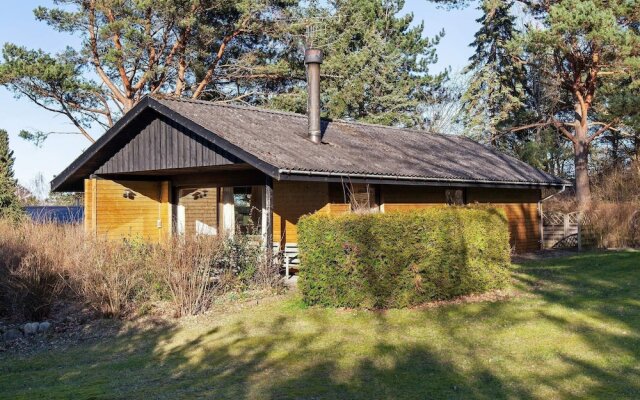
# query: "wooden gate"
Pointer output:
{"type": "Point", "coordinates": [561, 230]}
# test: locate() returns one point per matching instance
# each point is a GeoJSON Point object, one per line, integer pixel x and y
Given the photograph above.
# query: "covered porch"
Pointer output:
{"type": "Point", "coordinates": [156, 204]}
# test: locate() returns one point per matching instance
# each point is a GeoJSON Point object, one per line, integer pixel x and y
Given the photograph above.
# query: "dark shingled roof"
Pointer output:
{"type": "Point", "coordinates": [276, 143]}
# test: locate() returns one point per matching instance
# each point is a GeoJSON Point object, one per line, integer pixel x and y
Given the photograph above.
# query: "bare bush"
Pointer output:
{"type": "Point", "coordinates": [186, 266]}
{"type": "Point", "coordinates": [198, 269]}
{"type": "Point", "coordinates": [613, 219]}
{"type": "Point", "coordinates": [42, 263]}
{"type": "Point", "coordinates": [109, 275]}
{"type": "Point", "coordinates": [613, 225]}
{"type": "Point", "coordinates": [29, 279]}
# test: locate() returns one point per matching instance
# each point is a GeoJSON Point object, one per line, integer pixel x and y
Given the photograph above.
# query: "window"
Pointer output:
{"type": "Point", "coordinates": [247, 205]}
{"type": "Point", "coordinates": [455, 197]}
{"type": "Point", "coordinates": [362, 197]}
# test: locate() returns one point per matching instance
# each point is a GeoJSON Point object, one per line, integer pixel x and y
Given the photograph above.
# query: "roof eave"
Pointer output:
{"type": "Point", "coordinates": [60, 181]}
{"type": "Point", "coordinates": [323, 176]}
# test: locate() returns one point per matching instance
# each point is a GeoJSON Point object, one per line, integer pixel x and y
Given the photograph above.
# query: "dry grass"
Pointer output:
{"type": "Point", "coordinates": [613, 225]}
{"type": "Point", "coordinates": [613, 220]}
{"type": "Point", "coordinates": [44, 263]}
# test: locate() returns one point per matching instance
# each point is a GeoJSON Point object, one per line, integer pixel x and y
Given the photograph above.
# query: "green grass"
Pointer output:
{"type": "Point", "coordinates": [574, 332]}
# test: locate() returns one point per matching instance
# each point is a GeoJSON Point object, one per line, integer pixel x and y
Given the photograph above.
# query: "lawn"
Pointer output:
{"type": "Point", "coordinates": [573, 331]}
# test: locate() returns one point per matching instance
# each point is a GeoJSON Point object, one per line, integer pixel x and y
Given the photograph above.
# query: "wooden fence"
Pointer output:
{"type": "Point", "coordinates": [561, 230]}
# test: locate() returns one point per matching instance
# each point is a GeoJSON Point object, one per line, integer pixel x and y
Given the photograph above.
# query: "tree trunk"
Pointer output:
{"type": "Point", "coordinates": [581, 157]}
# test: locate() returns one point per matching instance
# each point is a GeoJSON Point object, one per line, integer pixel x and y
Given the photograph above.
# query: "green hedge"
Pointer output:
{"type": "Point", "coordinates": [401, 259]}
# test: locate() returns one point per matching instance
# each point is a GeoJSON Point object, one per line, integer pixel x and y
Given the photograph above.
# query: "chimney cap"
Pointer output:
{"type": "Point", "coordinates": [313, 56]}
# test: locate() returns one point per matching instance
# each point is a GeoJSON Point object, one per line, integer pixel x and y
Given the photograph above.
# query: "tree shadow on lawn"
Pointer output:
{"type": "Point", "coordinates": [596, 296]}
{"type": "Point", "coordinates": [236, 363]}
{"type": "Point", "coordinates": [278, 351]}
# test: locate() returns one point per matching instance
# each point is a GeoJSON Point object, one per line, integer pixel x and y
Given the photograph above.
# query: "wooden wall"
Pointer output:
{"type": "Point", "coordinates": [402, 198]}
{"type": "Point", "coordinates": [198, 207]}
{"type": "Point", "coordinates": [145, 212]}
{"type": "Point", "coordinates": [157, 143]}
{"type": "Point", "coordinates": [521, 207]}
{"type": "Point", "coordinates": [291, 200]}
{"type": "Point", "coordinates": [109, 213]}
{"type": "Point", "coordinates": [295, 199]}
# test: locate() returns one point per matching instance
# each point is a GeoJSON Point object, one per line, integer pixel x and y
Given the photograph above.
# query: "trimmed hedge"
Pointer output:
{"type": "Point", "coordinates": [401, 259]}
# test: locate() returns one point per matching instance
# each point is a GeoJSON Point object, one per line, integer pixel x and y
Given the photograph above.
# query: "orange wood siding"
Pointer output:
{"type": "Point", "coordinates": [89, 209]}
{"type": "Point", "coordinates": [292, 200]}
{"type": "Point", "coordinates": [406, 198]}
{"type": "Point", "coordinates": [146, 214]}
{"type": "Point", "coordinates": [521, 208]}
{"type": "Point", "coordinates": [416, 195]}
{"type": "Point", "coordinates": [199, 208]}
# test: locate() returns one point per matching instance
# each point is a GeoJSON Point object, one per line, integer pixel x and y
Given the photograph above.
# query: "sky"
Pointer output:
{"type": "Point", "coordinates": [18, 26]}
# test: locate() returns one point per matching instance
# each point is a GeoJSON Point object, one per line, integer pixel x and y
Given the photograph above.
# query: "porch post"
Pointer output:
{"type": "Point", "coordinates": [267, 216]}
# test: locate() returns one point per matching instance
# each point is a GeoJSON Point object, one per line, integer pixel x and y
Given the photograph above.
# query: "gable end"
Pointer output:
{"type": "Point", "coordinates": [159, 143]}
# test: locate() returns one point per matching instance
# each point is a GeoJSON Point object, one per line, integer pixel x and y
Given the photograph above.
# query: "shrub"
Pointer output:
{"type": "Point", "coordinates": [612, 225]}
{"type": "Point", "coordinates": [29, 279]}
{"type": "Point", "coordinates": [613, 218]}
{"type": "Point", "coordinates": [109, 275]}
{"type": "Point", "coordinates": [187, 268]}
{"type": "Point", "coordinates": [44, 263]}
{"type": "Point", "coordinates": [404, 258]}
{"type": "Point", "coordinates": [198, 269]}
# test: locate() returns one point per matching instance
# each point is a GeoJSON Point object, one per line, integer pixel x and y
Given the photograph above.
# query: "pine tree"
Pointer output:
{"type": "Point", "coordinates": [9, 203]}
{"type": "Point", "coordinates": [589, 44]}
{"type": "Point", "coordinates": [496, 84]}
{"type": "Point", "coordinates": [580, 48]}
{"type": "Point", "coordinates": [202, 49]}
{"type": "Point", "coordinates": [376, 64]}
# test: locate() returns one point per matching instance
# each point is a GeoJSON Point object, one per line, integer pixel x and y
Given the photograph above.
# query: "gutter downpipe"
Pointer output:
{"type": "Point", "coordinates": [564, 187]}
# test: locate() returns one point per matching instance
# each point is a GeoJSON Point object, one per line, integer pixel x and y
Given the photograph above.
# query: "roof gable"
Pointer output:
{"type": "Point", "coordinates": [162, 144]}
{"type": "Point", "coordinates": [126, 147]}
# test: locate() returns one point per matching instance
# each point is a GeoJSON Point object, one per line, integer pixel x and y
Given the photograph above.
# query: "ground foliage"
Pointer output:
{"type": "Point", "coordinates": [571, 330]}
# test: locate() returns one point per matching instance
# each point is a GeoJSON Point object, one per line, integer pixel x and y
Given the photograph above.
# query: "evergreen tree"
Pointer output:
{"type": "Point", "coordinates": [376, 64]}
{"type": "Point", "coordinates": [495, 88]}
{"type": "Point", "coordinates": [201, 49]}
{"type": "Point", "coordinates": [9, 202]}
{"type": "Point", "coordinates": [582, 45]}
{"type": "Point", "coordinates": [588, 44]}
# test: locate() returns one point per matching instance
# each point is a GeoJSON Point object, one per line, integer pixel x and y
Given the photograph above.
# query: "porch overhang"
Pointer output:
{"type": "Point", "coordinates": [96, 159]}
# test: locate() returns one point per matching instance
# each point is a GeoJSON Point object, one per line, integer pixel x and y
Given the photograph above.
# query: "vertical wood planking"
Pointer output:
{"type": "Point", "coordinates": [163, 144]}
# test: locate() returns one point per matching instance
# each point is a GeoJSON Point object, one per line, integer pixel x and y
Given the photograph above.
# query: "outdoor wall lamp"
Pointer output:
{"type": "Point", "coordinates": [199, 194]}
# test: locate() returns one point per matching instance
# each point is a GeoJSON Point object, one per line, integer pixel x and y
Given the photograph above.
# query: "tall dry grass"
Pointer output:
{"type": "Point", "coordinates": [44, 263]}
{"type": "Point", "coordinates": [613, 218]}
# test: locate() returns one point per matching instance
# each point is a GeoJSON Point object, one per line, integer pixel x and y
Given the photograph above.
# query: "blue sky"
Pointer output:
{"type": "Point", "coordinates": [18, 26]}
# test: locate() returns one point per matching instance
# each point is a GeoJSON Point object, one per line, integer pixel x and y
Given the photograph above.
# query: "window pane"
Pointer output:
{"type": "Point", "coordinates": [455, 196]}
{"type": "Point", "coordinates": [362, 197]}
{"type": "Point", "coordinates": [247, 204]}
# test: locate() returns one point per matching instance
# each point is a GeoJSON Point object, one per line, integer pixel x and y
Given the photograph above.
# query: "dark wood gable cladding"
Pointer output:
{"type": "Point", "coordinates": [158, 143]}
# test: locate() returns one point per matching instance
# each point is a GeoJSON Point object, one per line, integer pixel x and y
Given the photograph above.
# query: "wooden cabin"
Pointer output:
{"type": "Point", "coordinates": [184, 167]}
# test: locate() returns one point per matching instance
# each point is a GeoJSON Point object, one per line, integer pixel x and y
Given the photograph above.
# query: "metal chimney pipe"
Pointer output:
{"type": "Point", "coordinates": [313, 59]}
